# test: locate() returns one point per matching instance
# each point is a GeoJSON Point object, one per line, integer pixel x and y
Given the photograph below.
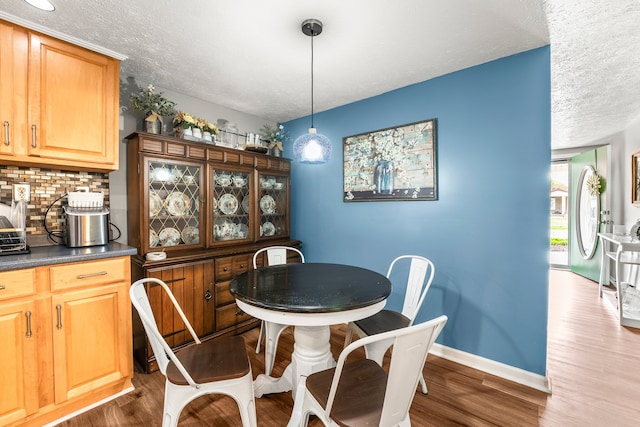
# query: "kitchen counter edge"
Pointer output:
{"type": "Point", "coordinates": [49, 255]}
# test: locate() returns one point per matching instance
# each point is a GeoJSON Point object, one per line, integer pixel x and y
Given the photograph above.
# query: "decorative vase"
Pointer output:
{"type": "Point", "coordinates": [197, 133]}
{"type": "Point", "coordinates": [276, 152]}
{"type": "Point", "coordinates": [152, 126]}
{"type": "Point", "coordinates": [383, 177]}
{"type": "Point", "coordinates": [183, 133]}
{"type": "Point", "coordinates": [207, 136]}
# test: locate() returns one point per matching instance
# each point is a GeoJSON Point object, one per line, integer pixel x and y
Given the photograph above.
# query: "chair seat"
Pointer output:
{"type": "Point", "coordinates": [383, 321]}
{"type": "Point", "coordinates": [351, 407]}
{"type": "Point", "coordinates": [213, 360]}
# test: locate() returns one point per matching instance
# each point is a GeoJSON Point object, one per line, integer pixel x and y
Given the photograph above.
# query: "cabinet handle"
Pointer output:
{"type": "Point", "coordinates": [59, 310]}
{"type": "Point", "coordinates": [6, 133]}
{"type": "Point", "coordinates": [84, 276]}
{"type": "Point", "coordinates": [207, 296]}
{"type": "Point", "coordinates": [28, 315]}
{"type": "Point", "coordinates": [242, 266]}
{"type": "Point", "coordinates": [33, 136]}
{"type": "Point", "coordinates": [225, 269]}
{"type": "Point", "coordinates": [2, 287]}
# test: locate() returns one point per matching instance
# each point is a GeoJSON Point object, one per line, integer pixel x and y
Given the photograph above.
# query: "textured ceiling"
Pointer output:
{"type": "Point", "coordinates": [251, 56]}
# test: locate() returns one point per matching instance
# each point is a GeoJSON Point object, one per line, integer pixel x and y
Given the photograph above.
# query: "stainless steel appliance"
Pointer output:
{"type": "Point", "coordinates": [87, 219]}
{"type": "Point", "coordinates": [86, 226]}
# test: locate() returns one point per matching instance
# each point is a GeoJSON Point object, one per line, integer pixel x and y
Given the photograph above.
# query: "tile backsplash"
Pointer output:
{"type": "Point", "coordinates": [47, 185]}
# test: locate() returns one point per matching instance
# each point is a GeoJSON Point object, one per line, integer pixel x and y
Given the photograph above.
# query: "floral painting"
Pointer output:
{"type": "Point", "coordinates": [397, 163]}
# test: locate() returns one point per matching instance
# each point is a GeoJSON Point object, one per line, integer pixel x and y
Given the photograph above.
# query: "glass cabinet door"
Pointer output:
{"type": "Point", "coordinates": [230, 205]}
{"type": "Point", "coordinates": [273, 202]}
{"type": "Point", "coordinates": [174, 198]}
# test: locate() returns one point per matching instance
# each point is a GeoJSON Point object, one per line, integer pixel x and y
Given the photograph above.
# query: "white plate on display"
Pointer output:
{"type": "Point", "coordinates": [169, 237]}
{"type": "Point", "coordinates": [153, 239]}
{"type": "Point", "coordinates": [155, 204]}
{"type": "Point", "coordinates": [268, 229]}
{"type": "Point", "coordinates": [268, 205]}
{"type": "Point", "coordinates": [190, 235]}
{"type": "Point", "coordinates": [178, 204]}
{"type": "Point", "coordinates": [228, 204]}
{"type": "Point", "coordinates": [245, 204]}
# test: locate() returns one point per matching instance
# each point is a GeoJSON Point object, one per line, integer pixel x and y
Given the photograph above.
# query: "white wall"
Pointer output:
{"type": "Point", "coordinates": [131, 121]}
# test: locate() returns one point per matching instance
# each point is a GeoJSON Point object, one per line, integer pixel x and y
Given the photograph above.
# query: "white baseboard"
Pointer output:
{"type": "Point", "coordinates": [87, 408]}
{"type": "Point", "coordinates": [517, 375]}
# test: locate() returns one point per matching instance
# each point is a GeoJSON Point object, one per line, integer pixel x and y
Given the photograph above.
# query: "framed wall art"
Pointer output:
{"type": "Point", "coordinates": [635, 178]}
{"type": "Point", "coordinates": [397, 163]}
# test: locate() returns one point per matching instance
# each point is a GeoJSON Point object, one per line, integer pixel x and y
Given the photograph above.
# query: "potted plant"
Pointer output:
{"type": "Point", "coordinates": [208, 131]}
{"type": "Point", "coordinates": [183, 123]}
{"type": "Point", "coordinates": [155, 107]}
{"type": "Point", "coordinates": [275, 136]}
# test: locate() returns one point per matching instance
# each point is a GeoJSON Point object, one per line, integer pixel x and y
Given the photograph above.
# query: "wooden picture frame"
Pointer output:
{"type": "Point", "coordinates": [635, 178]}
{"type": "Point", "coordinates": [396, 163]}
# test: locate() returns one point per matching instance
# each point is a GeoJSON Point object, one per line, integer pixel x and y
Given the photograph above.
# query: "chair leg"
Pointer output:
{"type": "Point", "coordinates": [347, 337]}
{"type": "Point", "coordinates": [246, 402]}
{"type": "Point", "coordinates": [260, 337]}
{"type": "Point", "coordinates": [423, 384]}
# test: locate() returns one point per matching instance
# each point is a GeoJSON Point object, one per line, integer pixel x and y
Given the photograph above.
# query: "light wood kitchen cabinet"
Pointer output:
{"type": "Point", "coordinates": [59, 102]}
{"type": "Point", "coordinates": [66, 331]}
{"type": "Point", "coordinates": [209, 209]}
{"type": "Point", "coordinates": [20, 387]}
{"type": "Point", "coordinates": [13, 89]}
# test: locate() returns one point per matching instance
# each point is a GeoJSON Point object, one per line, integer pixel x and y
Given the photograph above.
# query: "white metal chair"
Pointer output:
{"type": "Point", "coordinates": [219, 366]}
{"type": "Point", "coordinates": [361, 392]}
{"type": "Point", "coordinates": [276, 255]}
{"type": "Point", "coordinates": [419, 277]}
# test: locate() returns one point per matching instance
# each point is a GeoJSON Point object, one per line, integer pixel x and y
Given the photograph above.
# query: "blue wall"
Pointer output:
{"type": "Point", "coordinates": [488, 231]}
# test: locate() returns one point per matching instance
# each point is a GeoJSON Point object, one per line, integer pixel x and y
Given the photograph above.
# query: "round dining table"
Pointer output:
{"type": "Point", "coordinates": [310, 297]}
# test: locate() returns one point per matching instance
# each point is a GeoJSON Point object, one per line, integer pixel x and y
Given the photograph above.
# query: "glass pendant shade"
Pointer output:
{"type": "Point", "coordinates": [312, 147]}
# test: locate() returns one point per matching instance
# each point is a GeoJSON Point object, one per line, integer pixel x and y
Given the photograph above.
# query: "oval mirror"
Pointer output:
{"type": "Point", "coordinates": [587, 214]}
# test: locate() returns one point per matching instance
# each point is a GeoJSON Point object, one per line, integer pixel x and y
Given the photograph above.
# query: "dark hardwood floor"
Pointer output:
{"type": "Point", "coordinates": [592, 363]}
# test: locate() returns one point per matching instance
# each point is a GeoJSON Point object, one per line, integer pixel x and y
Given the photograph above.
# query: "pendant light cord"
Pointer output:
{"type": "Point", "coordinates": [312, 36]}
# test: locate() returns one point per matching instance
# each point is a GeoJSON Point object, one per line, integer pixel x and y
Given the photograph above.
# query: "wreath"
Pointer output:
{"type": "Point", "coordinates": [594, 185]}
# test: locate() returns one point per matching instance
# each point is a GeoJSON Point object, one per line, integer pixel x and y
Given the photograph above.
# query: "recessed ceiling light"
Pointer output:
{"type": "Point", "coordinates": [42, 4]}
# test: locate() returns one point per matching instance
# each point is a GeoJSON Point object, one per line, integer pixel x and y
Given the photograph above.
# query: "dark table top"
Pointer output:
{"type": "Point", "coordinates": [311, 287]}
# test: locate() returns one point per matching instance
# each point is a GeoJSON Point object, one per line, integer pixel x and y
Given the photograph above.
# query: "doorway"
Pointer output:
{"type": "Point", "coordinates": [559, 216]}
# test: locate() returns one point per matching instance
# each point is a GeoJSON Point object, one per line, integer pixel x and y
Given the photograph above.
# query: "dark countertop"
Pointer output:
{"type": "Point", "coordinates": [49, 255]}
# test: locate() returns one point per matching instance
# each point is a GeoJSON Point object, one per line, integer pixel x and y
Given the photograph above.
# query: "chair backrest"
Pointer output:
{"type": "Point", "coordinates": [276, 255]}
{"type": "Point", "coordinates": [161, 349]}
{"type": "Point", "coordinates": [419, 278]}
{"type": "Point", "coordinates": [410, 348]}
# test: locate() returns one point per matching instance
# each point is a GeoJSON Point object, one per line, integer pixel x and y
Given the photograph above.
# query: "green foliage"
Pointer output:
{"type": "Point", "coordinates": [559, 241]}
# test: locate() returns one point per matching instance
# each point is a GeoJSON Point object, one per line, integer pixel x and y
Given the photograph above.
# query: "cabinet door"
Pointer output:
{"type": "Point", "coordinates": [19, 369]}
{"type": "Point", "coordinates": [91, 339]}
{"type": "Point", "coordinates": [13, 88]}
{"type": "Point", "coordinates": [172, 215]}
{"type": "Point", "coordinates": [73, 104]}
{"type": "Point", "coordinates": [273, 206]}
{"type": "Point", "coordinates": [230, 206]}
{"type": "Point", "coordinates": [192, 286]}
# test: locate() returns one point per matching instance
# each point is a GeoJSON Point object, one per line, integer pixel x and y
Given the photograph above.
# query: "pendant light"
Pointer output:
{"type": "Point", "coordinates": [312, 147]}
